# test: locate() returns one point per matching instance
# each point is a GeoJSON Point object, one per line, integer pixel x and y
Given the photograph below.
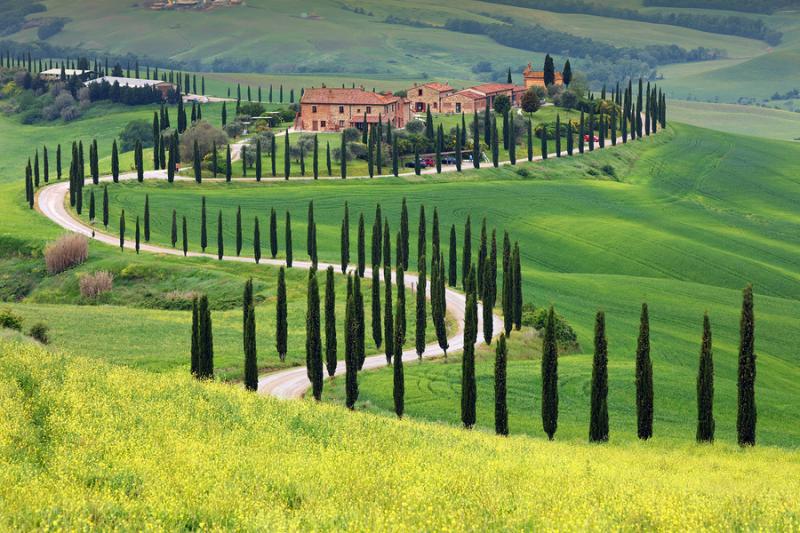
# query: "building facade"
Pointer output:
{"type": "Point", "coordinates": [324, 109]}
{"type": "Point", "coordinates": [478, 97]}
{"type": "Point", "coordinates": [428, 95]}
{"type": "Point", "coordinates": [535, 78]}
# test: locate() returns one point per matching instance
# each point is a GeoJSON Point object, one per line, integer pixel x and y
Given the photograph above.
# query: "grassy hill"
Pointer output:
{"type": "Point", "coordinates": [100, 446]}
{"type": "Point", "coordinates": [682, 221]}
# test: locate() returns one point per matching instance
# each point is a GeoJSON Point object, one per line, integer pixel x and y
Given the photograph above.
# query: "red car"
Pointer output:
{"type": "Point", "coordinates": [595, 138]}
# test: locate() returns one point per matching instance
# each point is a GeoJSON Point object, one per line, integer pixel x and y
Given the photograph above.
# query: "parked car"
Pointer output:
{"type": "Point", "coordinates": [449, 160]}
{"type": "Point", "coordinates": [595, 138]}
{"type": "Point", "coordinates": [428, 162]}
{"type": "Point", "coordinates": [422, 164]}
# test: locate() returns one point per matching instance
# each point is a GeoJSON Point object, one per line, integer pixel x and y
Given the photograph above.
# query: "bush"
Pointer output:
{"type": "Point", "coordinates": [536, 318]}
{"type": "Point", "coordinates": [415, 127]}
{"type": "Point", "coordinates": [136, 130]}
{"type": "Point", "coordinates": [10, 320]}
{"type": "Point", "coordinates": [93, 285]}
{"type": "Point", "coordinates": [66, 252]}
{"type": "Point", "coordinates": [39, 331]}
{"type": "Point", "coordinates": [206, 135]}
{"type": "Point", "coordinates": [609, 170]}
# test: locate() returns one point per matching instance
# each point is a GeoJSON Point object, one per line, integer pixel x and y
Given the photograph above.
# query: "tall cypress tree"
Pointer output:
{"type": "Point", "coordinates": [508, 287]}
{"type": "Point", "coordinates": [330, 322]}
{"type": "Point", "coordinates": [313, 338]}
{"type": "Point", "coordinates": [468, 386]}
{"type": "Point", "coordinates": [238, 231]}
{"type": "Point", "coordinates": [500, 405]}
{"type": "Point", "coordinates": [483, 252]}
{"type": "Point", "coordinates": [705, 387]}
{"type": "Point", "coordinates": [288, 230]}
{"type": "Point", "coordinates": [512, 140]}
{"type": "Point", "coordinates": [328, 158]}
{"type": "Point", "coordinates": [399, 340]}
{"type": "Point", "coordinates": [287, 159]}
{"type": "Point", "coordinates": [258, 160]}
{"type": "Point", "coordinates": [174, 229]}
{"type": "Point", "coordinates": [361, 247]}
{"type": "Point", "coordinates": [316, 158]}
{"type": "Point", "coordinates": [598, 424]}
{"type": "Point", "coordinates": [388, 324]}
{"type": "Point", "coordinates": [281, 325]}
{"type": "Point", "coordinates": [114, 162]}
{"type": "Point", "coordinates": [273, 151]}
{"type": "Point", "coordinates": [198, 177]}
{"type": "Point", "coordinates": [344, 245]}
{"type": "Point", "coordinates": [351, 363]}
{"type": "Point", "coordinates": [105, 206]}
{"type": "Point", "coordinates": [185, 232]}
{"type": "Point", "coordinates": [403, 244]}
{"type": "Point", "coordinates": [203, 225]}
{"type": "Point", "coordinates": [517, 284]}
{"type": "Point", "coordinates": [495, 145]}
{"type": "Point", "coordinates": [421, 233]}
{"type": "Point", "coordinates": [644, 378]}
{"type": "Point", "coordinates": [421, 315]}
{"type": "Point", "coordinates": [122, 230]}
{"type": "Point", "coordinates": [453, 260]}
{"type": "Point", "coordinates": [220, 243]}
{"type": "Point", "coordinates": [360, 333]}
{"type": "Point", "coordinates": [343, 157]}
{"type": "Point", "coordinates": [137, 236]}
{"type": "Point", "coordinates": [273, 233]}
{"type": "Point", "coordinates": [206, 341]}
{"type": "Point", "coordinates": [530, 139]}
{"type": "Point", "coordinates": [558, 136]}
{"type": "Point", "coordinates": [550, 376]}
{"type": "Point", "coordinates": [746, 416]}
{"type": "Point", "coordinates": [249, 337]}
{"type": "Point", "coordinates": [256, 241]}
{"type": "Point", "coordinates": [476, 142]}
{"type": "Point", "coordinates": [466, 257]}
{"type": "Point", "coordinates": [195, 350]}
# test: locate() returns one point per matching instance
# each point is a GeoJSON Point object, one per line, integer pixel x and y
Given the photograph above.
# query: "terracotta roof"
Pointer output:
{"type": "Point", "coordinates": [491, 88]}
{"type": "Point", "coordinates": [345, 97]}
{"type": "Point", "coordinates": [537, 74]}
{"type": "Point", "coordinates": [441, 87]}
{"type": "Point", "coordinates": [471, 94]}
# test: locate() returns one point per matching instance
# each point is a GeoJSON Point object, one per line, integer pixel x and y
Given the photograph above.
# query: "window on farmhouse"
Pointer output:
{"type": "Point", "coordinates": [369, 109]}
{"type": "Point", "coordinates": [313, 109]}
{"type": "Point", "coordinates": [419, 92]}
{"type": "Point", "coordinates": [341, 109]}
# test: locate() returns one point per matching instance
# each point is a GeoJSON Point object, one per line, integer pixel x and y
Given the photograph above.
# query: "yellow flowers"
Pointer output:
{"type": "Point", "coordinates": [87, 445]}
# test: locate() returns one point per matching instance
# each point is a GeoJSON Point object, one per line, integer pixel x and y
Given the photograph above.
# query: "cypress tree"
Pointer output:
{"type": "Point", "coordinates": [351, 363]}
{"type": "Point", "coordinates": [146, 215]}
{"type": "Point", "coordinates": [417, 167]}
{"type": "Point", "coordinates": [500, 405]}
{"type": "Point", "coordinates": [476, 142]}
{"type": "Point", "coordinates": [581, 132]}
{"type": "Point", "coordinates": [489, 291]}
{"type": "Point", "coordinates": [508, 287]}
{"type": "Point", "coordinates": [543, 139]}
{"type": "Point", "coordinates": [203, 226]}
{"type": "Point", "coordinates": [388, 324]}
{"type": "Point", "coordinates": [249, 337]}
{"type": "Point", "coordinates": [429, 133]}
{"type": "Point", "coordinates": [195, 350]}
{"type": "Point", "coordinates": [512, 141]}
{"type": "Point", "coordinates": [359, 338]}
{"type": "Point", "coordinates": [58, 160]}
{"type": "Point", "coordinates": [598, 424]}
{"type": "Point", "coordinates": [395, 158]}
{"type": "Point", "coordinates": [185, 238]}
{"type": "Point", "coordinates": [256, 241]}
{"type": "Point", "coordinates": [105, 206]}
{"type": "Point", "coordinates": [137, 236]}
{"type": "Point", "coordinates": [330, 322]}
{"type": "Point", "coordinates": [483, 251]}
{"type": "Point", "coordinates": [206, 342]}
{"type": "Point", "coordinates": [198, 177]}
{"type": "Point", "coordinates": [313, 338]}
{"type": "Point", "coordinates": [487, 124]}
{"type": "Point", "coordinates": [220, 244]}
{"type": "Point", "coordinates": [570, 139]}
{"type": "Point", "coordinates": [399, 339]}
{"type": "Point", "coordinates": [644, 379]}
{"type": "Point", "coordinates": [29, 193]}
{"type": "Point", "coordinates": [122, 230]}
{"type": "Point", "coordinates": [302, 161]}
{"type": "Point", "coordinates": [517, 284]}
{"type": "Point", "coordinates": [343, 157]}
{"type": "Point", "coordinates": [439, 304]}
{"type": "Point", "coordinates": [362, 259]}
{"type": "Point", "coordinates": [273, 154]}
{"type": "Point", "coordinates": [328, 158]}
{"type": "Point", "coordinates": [156, 140]}
{"type": "Point", "coordinates": [602, 129]}
{"type": "Point", "coordinates": [453, 263]}
{"type": "Point", "coordinates": [613, 122]}
{"type": "Point", "coordinates": [746, 416]}
{"type": "Point", "coordinates": [468, 387]}
{"type": "Point", "coordinates": [138, 160]}
{"type": "Point", "coordinates": [705, 387]}
{"type": "Point", "coordinates": [495, 145]}
{"type": "Point", "coordinates": [238, 231]}
{"type": "Point", "coordinates": [530, 140]}
{"type": "Point", "coordinates": [421, 315]}
{"type": "Point", "coordinates": [287, 160]}
{"type": "Point", "coordinates": [550, 376]}
{"type": "Point", "coordinates": [174, 229]}
{"type": "Point", "coordinates": [243, 153]}
{"type": "Point", "coordinates": [344, 245]}
{"type": "Point", "coordinates": [228, 164]}
{"type": "Point", "coordinates": [316, 158]}
{"type": "Point", "coordinates": [312, 236]}
{"type": "Point", "coordinates": [435, 237]}
{"type": "Point", "coordinates": [377, 332]}
{"type": "Point", "coordinates": [459, 147]}
{"type": "Point", "coordinates": [289, 250]}
{"type": "Point", "coordinates": [370, 149]}
{"type": "Point", "coordinates": [281, 326]}
{"type": "Point", "coordinates": [403, 244]}
{"type": "Point", "coordinates": [466, 256]}
{"type": "Point", "coordinates": [91, 207]}
{"type": "Point", "coordinates": [438, 148]}
{"type": "Point", "coordinates": [170, 161]}
{"type": "Point", "coordinates": [558, 136]}
{"type": "Point", "coordinates": [258, 160]}
{"type": "Point", "coordinates": [421, 233]}
{"type": "Point", "coordinates": [273, 233]}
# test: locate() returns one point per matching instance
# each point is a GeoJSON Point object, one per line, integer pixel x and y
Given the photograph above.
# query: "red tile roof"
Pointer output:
{"type": "Point", "coordinates": [437, 86]}
{"type": "Point", "coordinates": [491, 88]}
{"type": "Point", "coordinates": [471, 94]}
{"type": "Point", "coordinates": [345, 97]}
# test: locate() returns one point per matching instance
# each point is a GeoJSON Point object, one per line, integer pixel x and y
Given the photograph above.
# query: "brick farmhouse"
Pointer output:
{"type": "Point", "coordinates": [535, 78]}
{"type": "Point", "coordinates": [324, 109]}
{"type": "Point", "coordinates": [429, 95]}
{"type": "Point", "coordinates": [476, 98]}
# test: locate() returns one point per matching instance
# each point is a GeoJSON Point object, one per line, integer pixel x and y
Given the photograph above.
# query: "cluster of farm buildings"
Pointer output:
{"type": "Point", "coordinates": [333, 109]}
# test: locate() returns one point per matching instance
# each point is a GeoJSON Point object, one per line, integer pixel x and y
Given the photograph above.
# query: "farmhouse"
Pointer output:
{"type": "Point", "coordinates": [476, 98]}
{"type": "Point", "coordinates": [163, 86]}
{"type": "Point", "coordinates": [324, 109]}
{"type": "Point", "coordinates": [429, 95]}
{"type": "Point", "coordinates": [535, 78]}
{"type": "Point", "coordinates": [54, 74]}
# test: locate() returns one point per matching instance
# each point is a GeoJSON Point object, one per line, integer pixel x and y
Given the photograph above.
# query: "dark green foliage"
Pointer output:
{"type": "Point", "coordinates": [92, 208]}
{"type": "Point", "coordinates": [530, 140]}
{"type": "Point", "coordinates": [146, 215]}
{"type": "Point", "coordinates": [105, 206]}
{"type": "Point", "coordinates": [273, 153]}
{"type": "Point", "coordinates": [362, 252]}
{"type": "Point", "coordinates": [256, 241]}
{"type": "Point", "coordinates": [174, 228]}
{"type": "Point", "coordinates": [598, 422]}
{"type": "Point", "coordinates": [402, 245]}
{"type": "Point", "coordinates": [558, 135]}
{"type": "Point", "coordinates": [122, 230]}
{"type": "Point", "coordinates": [421, 233]}
{"type": "Point", "coordinates": [476, 142]}
{"type": "Point", "coordinates": [344, 245]}
{"type": "Point", "coordinates": [395, 158]}
{"type": "Point", "coordinates": [137, 235]}
{"type": "Point", "coordinates": [343, 157]}
{"type": "Point", "coordinates": [115, 162]}
{"type": "Point", "coordinates": [483, 251]}
{"type": "Point", "coordinates": [313, 337]}
{"type": "Point", "coordinates": [185, 238]}
{"type": "Point", "coordinates": [195, 349]}
{"type": "Point", "coordinates": [422, 317]}
{"type": "Point", "coordinates": [439, 143]}
{"type": "Point", "coordinates": [581, 132]}
{"type": "Point", "coordinates": [388, 323]}
{"type": "Point", "coordinates": [316, 158]}
{"type": "Point", "coordinates": [289, 249]}
{"type": "Point", "coordinates": [203, 225]}
{"type": "Point", "coordinates": [360, 332]}
{"type": "Point", "coordinates": [705, 387]}
{"type": "Point", "coordinates": [249, 338]}
{"type": "Point", "coordinates": [543, 138]}
{"type": "Point", "coordinates": [138, 160]}
{"type": "Point", "coordinates": [330, 322]}
{"type": "Point", "coordinates": [351, 362]}
{"type": "Point", "coordinates": [238, 231]}
{"type": "Point", "coordinates": [438, 302]}
{"type": "Point", "coordinates": [399, 341]}
{"type": "Point", "coordinates": [287, 159]}
{"type": "Point", "coordinates": [328, 158]}
{"type": "Point", "coordinates": [459, 146]}
{"type": "Point", "coordinates": [170, 160]}
{"type": "Point", "coordinates": [550, 377]}
{"type": "Point", "coordinates": [517, 284]}
{"type": "Point", "coordinates": [466, 255]}
{"type": "Point", "coordinates": [495, 144]}
{"type": "Point", "coordinates": [508, 287]}
{"type": "Point", "coordinates": [258, 160]}
{"type": "Point", "coordinates": [273, 233]}
{"type": "Point", "coordinates": [746, 416]}
{"type": "Point", "coordinates": [489, 291]}
{"type": "Point", "coordinates": [512, 140]}
{"type": "Point", "coordinates": [220, 243]}
{"type": "Point", "coordinates": [644, 379]}
{"type": "Point", "coordinates": [205, 360]}
{"type": "Point", "coordinates": [417, 167]}
{"type": "Point", "coordinates": [500, 405]}
{"type": "Point", "coordinates": [228, 164]}
{"type": "Point", "coordinates": [281, 324]}
{"type": "Point", "coordinates": [468, 386]}
{"type": "Point", "coordinates": [453, 260]}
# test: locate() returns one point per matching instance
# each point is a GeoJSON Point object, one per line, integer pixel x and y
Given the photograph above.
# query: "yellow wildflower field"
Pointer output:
{"type": "Point", "coordinates": [88, 445]}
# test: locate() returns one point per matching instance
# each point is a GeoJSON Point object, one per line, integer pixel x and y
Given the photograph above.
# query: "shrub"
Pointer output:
{"type": "Point", "coordinates": [206, 135]}
{"type": "Point", "coordinates": [138, 130]}
{"type": "Point", "coordinates": [609, 170]}
{"type": "Point", "coordinates": [39, 331]}
{"type": "Point", "coordinates": [93, 285]}
{"type": "Point", "coordinates": [10, 320]}
{"type": "Point", "coordinates": [66, 252]}
{"type": "Point", "coordinates": [536, 318]}
{"type": "Point", "coordinates": [523, 172]}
